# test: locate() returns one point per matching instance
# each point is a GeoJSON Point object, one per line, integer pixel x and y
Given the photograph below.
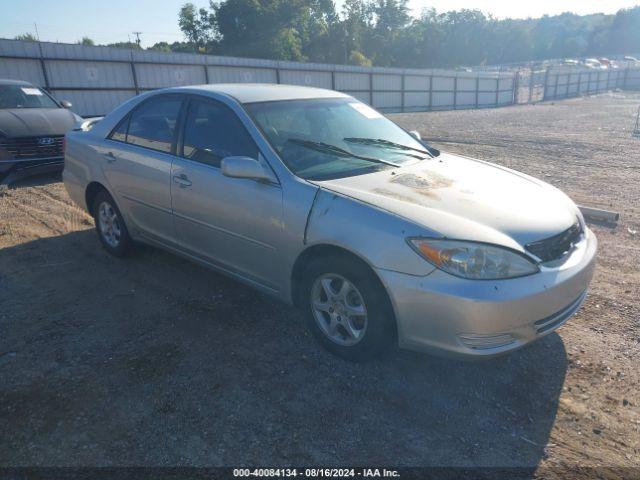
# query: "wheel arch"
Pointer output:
{"type": "Point", "coordinates": [324, 250]}
{"type": "Point", "coordinates": [93, 188]}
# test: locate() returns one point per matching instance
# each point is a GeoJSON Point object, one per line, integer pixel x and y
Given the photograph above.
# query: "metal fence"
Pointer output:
{"type": "Point", "coordinates": [566, 83]}
{"type": "Point", "coordinates": [529, 86]}
{"type": "Point", "coordinates": [97, 79]}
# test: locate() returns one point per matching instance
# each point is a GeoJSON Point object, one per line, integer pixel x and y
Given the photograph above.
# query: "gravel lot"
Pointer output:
{"type": "Point", "coordinates": [155, 361]}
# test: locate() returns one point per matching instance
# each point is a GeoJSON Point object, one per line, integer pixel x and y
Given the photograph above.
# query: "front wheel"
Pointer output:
{"type": "Point", "coordinates": [348, 310]}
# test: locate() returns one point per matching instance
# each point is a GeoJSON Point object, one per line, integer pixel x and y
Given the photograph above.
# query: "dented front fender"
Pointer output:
{"type": "Point", "coordinates": [375, 235]}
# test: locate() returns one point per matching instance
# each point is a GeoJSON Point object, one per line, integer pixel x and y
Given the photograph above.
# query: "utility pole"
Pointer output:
{"type": "Point", "coordinates": [137, 34]}
{"type": "Point", "coordinates": [36, 27]}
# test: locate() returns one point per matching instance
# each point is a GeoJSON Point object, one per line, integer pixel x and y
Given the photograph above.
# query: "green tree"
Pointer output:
{"type": "Point", "coordinates": [357, 26]}
{"type": "Point", "coordinates": [624, 33]}
{"type": "Point", "coordinates": [391, 19]}
{"type": "Point", "coordinates": [160, 47]}
{"type": "Point", "coordinates": [129, 45]}
{"type": "Point", "coordinates": [263, 28]}
{"type": "Point", "coordinates": [28, 37]}
{"type": "Point", "coordinates": [358, 58]}
{"type": "Point", "coordinates": [383, 33]}
{"type": "Point", "coordinates": [86, 41]}
{"type": "Point", "coordinates": [286, 45]}
{"type": "Point", "coordinates": [322, 32]}
{"type": "Point", "coordinates": [196, 25]}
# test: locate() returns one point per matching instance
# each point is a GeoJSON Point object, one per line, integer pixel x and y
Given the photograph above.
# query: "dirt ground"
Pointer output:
{"type": "Point", "coordinates": [154, 361]}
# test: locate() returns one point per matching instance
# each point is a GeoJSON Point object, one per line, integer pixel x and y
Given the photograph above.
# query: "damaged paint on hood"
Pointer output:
{"type": "Point", "coordinates": [465, 198]}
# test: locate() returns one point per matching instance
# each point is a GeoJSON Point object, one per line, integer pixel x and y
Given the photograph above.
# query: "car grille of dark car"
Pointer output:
{"type": "Point", "coordinates": [27, 148]}
{"type": "Point", "coordinates": [556, 247]}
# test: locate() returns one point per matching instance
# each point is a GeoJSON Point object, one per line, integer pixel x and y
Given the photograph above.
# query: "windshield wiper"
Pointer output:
{"type": "Point", "coordinates": [337, 151]}
{"type": "Point", "coordinates": [385, 143]}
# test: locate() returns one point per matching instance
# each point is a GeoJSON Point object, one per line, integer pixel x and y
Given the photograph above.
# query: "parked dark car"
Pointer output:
{"type": "Point", "coordinates": [32, 128]}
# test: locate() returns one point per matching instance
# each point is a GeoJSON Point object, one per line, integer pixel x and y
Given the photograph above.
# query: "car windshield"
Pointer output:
{"type": "Point", "coordinates": [321, 139]}
{"type": "Point", "coordinates": [24, 96]}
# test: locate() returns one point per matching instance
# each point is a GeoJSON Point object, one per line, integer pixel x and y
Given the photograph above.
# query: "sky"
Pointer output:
{"type": "Point", "coordinates": [114, 20]}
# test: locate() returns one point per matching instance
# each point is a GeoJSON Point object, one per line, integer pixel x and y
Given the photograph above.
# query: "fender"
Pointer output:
{"type": "Point", "coordinates": [373, 234]}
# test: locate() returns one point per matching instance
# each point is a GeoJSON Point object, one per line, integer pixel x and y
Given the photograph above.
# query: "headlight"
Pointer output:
{"type": "Point", "coordinates": [476, 261]}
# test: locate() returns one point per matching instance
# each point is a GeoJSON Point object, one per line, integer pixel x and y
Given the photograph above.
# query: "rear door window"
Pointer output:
{"type": "Point", "coordinates": [120, 132]}
{"type": "Point", "coordinates": [153, 124]}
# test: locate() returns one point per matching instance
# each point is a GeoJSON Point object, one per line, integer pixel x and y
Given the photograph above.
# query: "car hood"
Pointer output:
{"type": "Point", "coordinates": [30, 122]}
{"type": "Point", "coordinates": [457, 197]}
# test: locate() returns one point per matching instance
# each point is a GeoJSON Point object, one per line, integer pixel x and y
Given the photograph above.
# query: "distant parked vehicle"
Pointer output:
{"type": "Point", "coordinates": [604, 61]}
{"type": "Point", "coordinates": [594, 64]}
{"type": "Point", "coordinates": [32, 128]}
{"type": "Point", "coordinates": [316, 198]}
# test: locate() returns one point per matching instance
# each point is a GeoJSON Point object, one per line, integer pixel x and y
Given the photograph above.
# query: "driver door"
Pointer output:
{"type": "Point", "coordinates": [236, 224]}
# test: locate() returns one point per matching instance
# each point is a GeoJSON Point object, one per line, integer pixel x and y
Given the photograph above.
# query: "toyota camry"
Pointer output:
{"type": "Point", "coordinates": [318, 199]}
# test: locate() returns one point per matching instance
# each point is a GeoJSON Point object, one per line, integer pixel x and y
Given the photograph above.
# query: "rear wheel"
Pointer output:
{"type": "Point", "coordinates": [110, 225]}
{"type": "Point", "coordinates": [348, 310]}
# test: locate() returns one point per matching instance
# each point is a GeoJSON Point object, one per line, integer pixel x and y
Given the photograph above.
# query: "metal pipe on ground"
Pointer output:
{"type": "Point", "coordinates": [599, 215]}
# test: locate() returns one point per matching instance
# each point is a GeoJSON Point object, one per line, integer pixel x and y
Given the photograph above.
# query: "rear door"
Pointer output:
{"type": "Point", "coordinates": [137, 164]}
{"type": "Point", "coordinates": [231, 222]}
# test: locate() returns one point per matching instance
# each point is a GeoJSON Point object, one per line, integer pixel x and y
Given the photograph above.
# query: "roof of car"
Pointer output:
{"type": "Point", "coordinates": [266, 92]}
{"type": "Point", "coordinates": [9, 81]}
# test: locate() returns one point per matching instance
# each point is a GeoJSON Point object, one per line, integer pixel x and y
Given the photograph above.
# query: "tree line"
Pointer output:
{"type": "Point", "coordinates": [383, 33]}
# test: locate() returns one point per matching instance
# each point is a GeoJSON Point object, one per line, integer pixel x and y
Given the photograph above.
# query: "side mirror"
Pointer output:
{"type": "Point", "coordinates": [415, 134]}
{"type": "Point", "coordinates": [66, 104]}
{"type": "Point", "coordinates": [245, 167]}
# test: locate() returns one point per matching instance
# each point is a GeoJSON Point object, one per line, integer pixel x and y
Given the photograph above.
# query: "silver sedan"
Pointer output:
{"type": "Point", "coordinates": [317, 199]}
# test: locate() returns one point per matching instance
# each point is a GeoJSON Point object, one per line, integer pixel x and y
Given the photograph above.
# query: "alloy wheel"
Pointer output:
{"type": "Point", "coordinates": [109, 224]}
{"type": "Point", "coordinates": [339, 309]}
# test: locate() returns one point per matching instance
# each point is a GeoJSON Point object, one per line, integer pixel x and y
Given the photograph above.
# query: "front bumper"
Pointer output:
{"type": "Point", "coordinates": [443, 313]}
{"type": "Point", "coordinates": [14, 170]}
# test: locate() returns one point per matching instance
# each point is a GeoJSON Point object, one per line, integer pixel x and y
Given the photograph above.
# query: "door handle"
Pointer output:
{"type": "Point", "coordinates": [110, 157]}
{"type": "Point", "coordinates": [182, 180]}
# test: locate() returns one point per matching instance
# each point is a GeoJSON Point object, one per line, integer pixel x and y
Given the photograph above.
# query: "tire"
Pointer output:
{"type": "Point", "coordinates": [111, 229]}
{"type": "Point", "coordinates": [356, 337]}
